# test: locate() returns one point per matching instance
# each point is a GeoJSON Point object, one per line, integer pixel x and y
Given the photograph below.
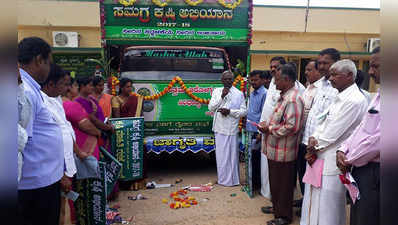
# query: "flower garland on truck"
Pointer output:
{"type": "Point", "coordinates": [239, 79]}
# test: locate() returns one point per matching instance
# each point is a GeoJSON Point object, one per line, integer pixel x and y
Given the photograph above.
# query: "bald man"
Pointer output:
{"type": "Point", "coordinates": [228, 105]}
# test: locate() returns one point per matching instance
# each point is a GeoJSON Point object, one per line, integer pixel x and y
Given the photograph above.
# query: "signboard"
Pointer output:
{"type": "Point", "coordinates": [158, 144]}
{"type": "Point", "coordinates": [176, 112]}
{"type": "Point", "coordinates": [113, 168]}
{"type": "Point", "coordinates": [178, 127]}
{"type": "Point", "coordinates": [127, 146]}
{"type": "Point", "coordinates": [75, 63]}
{"type": "Point", "coordinates": [176, 20]}
{"type": "Point", "coordinates": [91, 204]}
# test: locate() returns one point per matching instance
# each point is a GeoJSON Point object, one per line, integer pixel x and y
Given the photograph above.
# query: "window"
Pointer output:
{"type": "Point", "coordinates": [155, 64]}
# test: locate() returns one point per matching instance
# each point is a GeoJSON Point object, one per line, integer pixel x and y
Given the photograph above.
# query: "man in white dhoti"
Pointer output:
{"type": "Point", "coordinates": [272, 98]}
{"type": "Point", "coordinates": [324, 95]}
{"type": "Point", "coordinates": [228, 105]}
{"type": "Point", "coordinates": [326, 205]}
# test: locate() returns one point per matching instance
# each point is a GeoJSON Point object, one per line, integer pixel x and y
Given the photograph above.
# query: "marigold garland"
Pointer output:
{"type": "Point", "coordinates": [114, 83]}
{"type": "Point", "coordinates": [178, 80]}
{"type": "Point", "coordinates": [229, 5]}
{"type": "Point", "coordinates": [193, 3]}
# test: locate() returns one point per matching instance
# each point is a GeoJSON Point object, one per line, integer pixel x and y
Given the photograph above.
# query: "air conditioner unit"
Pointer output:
{"type": "Point", "coordinates": [65, 39]}
{"type": "Point", "coordinates": [372, 44]}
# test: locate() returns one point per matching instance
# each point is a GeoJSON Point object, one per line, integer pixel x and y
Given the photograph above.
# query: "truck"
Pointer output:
{"type": "Point", "coordinates": [175, 51]}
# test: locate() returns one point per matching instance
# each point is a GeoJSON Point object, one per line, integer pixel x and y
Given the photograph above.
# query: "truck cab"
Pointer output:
{"type": "Point", "coordinates": [175, 120]}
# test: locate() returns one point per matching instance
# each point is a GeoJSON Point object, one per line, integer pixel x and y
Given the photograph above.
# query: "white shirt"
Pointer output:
{"type": "Point", "coordinates": [235, 102]}
{"type": "Point", "coordinates": [336, 125]}
{"type": "Point", "coordinates": [56, 108]}
{"type": "Point", "coordinates": [308, 97]}
{"type": "Point", "coordinates": [25, 114]}
{"type": "Point", "coordinates": [367, 95]}
{"type": "Point", "coordinates": [324, 97]}
{"type": "Point", "coordinates": [272, 98]}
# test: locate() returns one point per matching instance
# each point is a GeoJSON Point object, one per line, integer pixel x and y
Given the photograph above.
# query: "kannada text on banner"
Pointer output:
{"type": "Point", "coordinates": [176, 21]}
{"type": "Point", "coordinates": [127, 146]}
{"type": "Point", "coordinates": [91, 204]}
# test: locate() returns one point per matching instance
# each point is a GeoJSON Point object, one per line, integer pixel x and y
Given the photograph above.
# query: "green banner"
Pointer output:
{"type": "Point", "coordinates": [113, 168]}
{"type": "Point", "coordinates": [127, 146]}
{"type": "Point", "coordinates": [176, 112]}
{"type": "Point", "coordinates": [129, 32]}
{"type": "Point", "coordinates": [91, 204]}
{"type": "Point", "coordinates": [176, 20]}
{"type": "Point", "coordinates": [184, 16]}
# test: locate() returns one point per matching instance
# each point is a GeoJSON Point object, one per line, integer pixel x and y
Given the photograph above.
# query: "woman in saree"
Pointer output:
{"type": "Point", "coordinates": [91, 105]}
{"type": "Point", "coordinates": [96, 116]}
{"type": "Point", "coordinates": [86, 133]}
{"type": "Point", "coordinates": [104, 100]}
{"type": "Point", "coordinates": [128, 105]}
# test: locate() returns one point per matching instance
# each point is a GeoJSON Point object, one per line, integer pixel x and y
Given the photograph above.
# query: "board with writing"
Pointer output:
{"type": "Point", "coordinates": [210, 20]}
{"type": "Point", "coordinates": [91, 204]}
{"type": "Point", "coordinates": [75, 63]}
{"type": "Point", "coordinates": [127, 146]}
{"type": "Point", "coordinates": [113, 168]}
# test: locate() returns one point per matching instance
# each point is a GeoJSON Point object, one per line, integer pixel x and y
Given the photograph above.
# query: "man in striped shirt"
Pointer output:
{"type": "Point", "coordinates": [281, 137]}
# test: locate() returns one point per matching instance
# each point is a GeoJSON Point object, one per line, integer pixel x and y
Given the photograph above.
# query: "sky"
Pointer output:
{"type": "Point", "coordinates": [323, 3]}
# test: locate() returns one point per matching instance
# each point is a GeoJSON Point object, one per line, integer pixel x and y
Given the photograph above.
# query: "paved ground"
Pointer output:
{"type": "Point", "coordinates": [220, 209]}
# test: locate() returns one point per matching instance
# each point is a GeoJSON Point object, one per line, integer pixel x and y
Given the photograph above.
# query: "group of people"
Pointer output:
{"type": "Point", "coordinates": [292, 129]}
{"type": "Point", "coordinates": [325, 131]}
{"type": "Point", "coordinates": [62, 120]}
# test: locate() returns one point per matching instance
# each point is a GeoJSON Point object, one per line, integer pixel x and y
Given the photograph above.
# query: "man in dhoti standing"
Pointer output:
{"type": "Point", "coordinates": [325, 205]}
{"type": "Point", "coordinates": [228, 105]}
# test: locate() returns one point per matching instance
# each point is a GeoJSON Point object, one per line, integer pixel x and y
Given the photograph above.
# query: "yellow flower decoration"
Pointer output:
{"type": "Point", "coordinates": [178, 80]}
{"type": "Point", "coordinates": [161, 3]}
{"type": "Point", "coordinates": [229, 5]}
{"type": "Point", "coordinates": [193, 3]}
{"type": "Point", "coordinates": [127, 2]}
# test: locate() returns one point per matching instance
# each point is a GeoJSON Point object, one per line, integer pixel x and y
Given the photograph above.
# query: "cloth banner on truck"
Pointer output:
{"type": "Point", "coordinates": [158, 144]}
{"type": "Point", "coordinates": [127, 146]}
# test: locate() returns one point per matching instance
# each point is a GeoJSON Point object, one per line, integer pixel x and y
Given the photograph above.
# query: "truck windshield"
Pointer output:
{"type": "Point", "coordinates": [164, 64]}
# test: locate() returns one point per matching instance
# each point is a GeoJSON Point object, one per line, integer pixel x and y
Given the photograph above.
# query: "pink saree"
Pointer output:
{"type": "Point", "coordinates": [76, 114]}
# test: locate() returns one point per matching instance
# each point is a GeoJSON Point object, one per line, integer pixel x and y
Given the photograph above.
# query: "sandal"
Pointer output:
{"type": "Point", "coordinates": [278, 221]}
{"type": "Point", "coordinates": [267, 210]}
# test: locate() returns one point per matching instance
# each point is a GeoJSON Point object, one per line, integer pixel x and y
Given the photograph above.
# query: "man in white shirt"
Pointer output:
{"type": "Point", "coordinates": [326, 205]}
{"type": "Point", "coordinates": [324, 95]}
{"type": "Point", "coordinates": [228, 105]}
{"type": "Point", "coordinates": [272, 98]}
{"type": "Point", "coordinates": [52, 89]}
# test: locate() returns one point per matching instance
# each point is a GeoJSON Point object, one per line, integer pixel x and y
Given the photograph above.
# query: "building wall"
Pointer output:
{"type": "Point", "coordinates": [40, 18]}
{"type": "Point", "coordinates": [325, 20]}
{"type": "Point", "coordinates": [89, 36]}
{"type": "Point", "coordinates": [276, 30]}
